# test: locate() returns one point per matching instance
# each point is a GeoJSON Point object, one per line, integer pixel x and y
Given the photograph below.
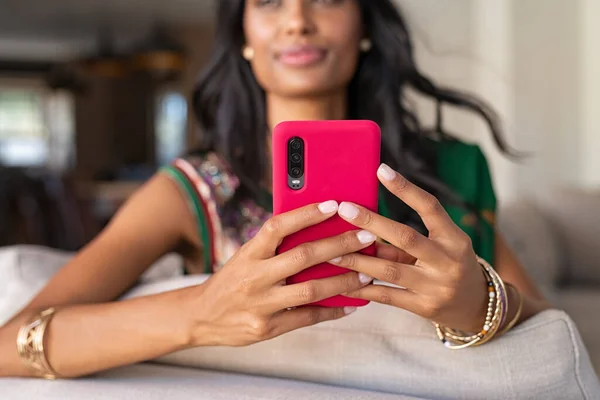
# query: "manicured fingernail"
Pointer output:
{"type": "Point", "coordinates": [335, 260]}
{"type": "Point", "coordinates": [349, 310]}
{"type": "Point", "coordinates": [328, 207]}
{"type": "Point", "coordinates": [348, 211]}
{"type": "Point", "coordinates": [366, 237]}
{"type": "Point", "coordinates": [386, 172]}
{"type": "Point", "coordinates": [364, 278]}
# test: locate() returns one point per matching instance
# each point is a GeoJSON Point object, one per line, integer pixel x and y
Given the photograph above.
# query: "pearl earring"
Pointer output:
{"type": "Point", "coordinates": [365, 45]}
{"type": "Point", "coordinates": [248, 53]}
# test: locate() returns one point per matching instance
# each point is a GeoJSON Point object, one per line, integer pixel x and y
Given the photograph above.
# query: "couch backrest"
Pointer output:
{"type": "Point", "coordinates": [531, 235]}
{"type": "Point", "coordinates": [575, 216]}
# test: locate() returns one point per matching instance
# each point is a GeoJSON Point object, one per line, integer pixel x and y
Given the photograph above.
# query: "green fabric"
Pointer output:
{"type": "Point", "coordinates": [201, 220]}
{"type": "Point", "coordinates": [464, 169]}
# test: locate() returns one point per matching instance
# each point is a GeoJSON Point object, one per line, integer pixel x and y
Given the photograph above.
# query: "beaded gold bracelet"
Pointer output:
{"type": "Point", "coordinates": [502, 298]}
{"type": "Point", "coordinates": [495, 316]}
{"type": "Point", "coordinates": [30, 345]}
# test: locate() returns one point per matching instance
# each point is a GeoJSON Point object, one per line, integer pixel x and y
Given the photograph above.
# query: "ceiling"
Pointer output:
{"type": "Point", "coordinates": [43, 19]}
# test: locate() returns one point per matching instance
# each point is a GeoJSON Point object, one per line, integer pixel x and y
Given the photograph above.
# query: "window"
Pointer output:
{"type": "Point", "coordinates": [36, 126]}
{"type": "Point", "coordinates": [171, 119]}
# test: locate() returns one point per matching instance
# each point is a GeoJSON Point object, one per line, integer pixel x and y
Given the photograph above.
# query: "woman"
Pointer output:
{"type": "Point", "coordinates": [278, 60]}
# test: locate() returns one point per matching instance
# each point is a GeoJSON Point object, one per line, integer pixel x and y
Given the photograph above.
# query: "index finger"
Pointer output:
{"type": "Point", "coordinates": [435, 218]}
{"type": "Point", "coordinates": [279, 226]}
{"type": "Point", "coordinates": [400, 235]}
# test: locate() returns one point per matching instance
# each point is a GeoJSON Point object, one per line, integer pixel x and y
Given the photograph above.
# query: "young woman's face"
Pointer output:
{"type": "Point", "coordinates": [303, 47]}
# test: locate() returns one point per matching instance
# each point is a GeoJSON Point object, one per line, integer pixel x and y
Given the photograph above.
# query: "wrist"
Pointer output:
{"type": "Point", "coordinates": [195, 311]}
{"type": "Point", "coordinates": [532, 307]}
{"type": "Point", "coordinates": [177, 313]}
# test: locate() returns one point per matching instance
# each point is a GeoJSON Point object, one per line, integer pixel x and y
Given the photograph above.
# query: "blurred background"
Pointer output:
{"type": "Point", "coordinates": [94, 94]}
{"type": "Point", "coordinates": [93, 99]}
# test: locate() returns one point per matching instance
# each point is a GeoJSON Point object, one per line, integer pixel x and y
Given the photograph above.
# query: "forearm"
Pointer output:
{"type": "Point", "coordinates": [531, 306]}
{"type": "Point", "coordinates": [84, 339]}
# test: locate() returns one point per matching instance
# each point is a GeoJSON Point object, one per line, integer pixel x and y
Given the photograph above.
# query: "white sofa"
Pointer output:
{"type": "Point", "coordinates": [160, 382]}
{"type": "Point", "coordinates": [557, 238]}
{"type": "Point", "coordinates": [377, 353]}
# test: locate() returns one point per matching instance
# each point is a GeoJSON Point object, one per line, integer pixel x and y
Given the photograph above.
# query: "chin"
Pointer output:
{"type": "Point", "coordinates": [305, 91]}
{"type": "Point", "coordinates": [307, 87]}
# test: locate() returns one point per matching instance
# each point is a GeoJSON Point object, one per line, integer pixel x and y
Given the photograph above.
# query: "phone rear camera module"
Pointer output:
{"type": "Point", "coordinates": [296, 144]}
{"type": "Point", "coordinates": [295, 161]}
{"type": "Point", "coordinates": [296, 172]}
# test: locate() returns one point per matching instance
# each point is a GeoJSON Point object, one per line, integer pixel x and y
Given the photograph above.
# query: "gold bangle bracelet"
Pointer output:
{"type": "Point", "coordinates": [30, 345]}
{"type": "Point", "coordinates": [511, 324]}
{"type": "Point", "coordinates": [501, 305]}
{"type": "Point", "coordinates": [496, 311]}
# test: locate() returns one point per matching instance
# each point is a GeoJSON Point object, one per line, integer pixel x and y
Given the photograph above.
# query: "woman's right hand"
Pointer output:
{"type": "Point", "coordinates": [247, 301]}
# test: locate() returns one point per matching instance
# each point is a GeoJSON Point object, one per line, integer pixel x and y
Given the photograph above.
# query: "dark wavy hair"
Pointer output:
{"type": "Point", "coordinates": [230, 104]}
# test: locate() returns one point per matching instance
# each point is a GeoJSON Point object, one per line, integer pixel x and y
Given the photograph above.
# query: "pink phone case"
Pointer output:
{"type": "Point", "coordinates": [341, 161]}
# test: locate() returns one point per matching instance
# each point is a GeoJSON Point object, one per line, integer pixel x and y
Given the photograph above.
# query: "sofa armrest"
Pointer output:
{"type": "Point", "coordinates": [385, 349]}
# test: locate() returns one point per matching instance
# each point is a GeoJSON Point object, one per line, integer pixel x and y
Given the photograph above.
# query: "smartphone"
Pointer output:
{"type": "Point", "coordinates": [316, 161]}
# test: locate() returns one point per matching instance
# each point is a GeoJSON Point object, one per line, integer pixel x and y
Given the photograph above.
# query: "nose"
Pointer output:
{"type": "Point", "coordinates": [298, 20]}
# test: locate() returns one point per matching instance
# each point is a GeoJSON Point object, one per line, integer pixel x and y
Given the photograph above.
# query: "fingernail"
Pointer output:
{"type": "Point", "coordinates": [364, 278]}
{"type": "Point", "coordinates": [348, 211]}
{"type": "Point", "coordinates": [328, 207]}
{"type": "Point", "coordinates": [349, 310]}
{"type": "Point", "coordinates": [335, 260]}
{"type": "Point", "coordinates": [366, 237]}
{"type": "Point", "coordinates": [386, 172]}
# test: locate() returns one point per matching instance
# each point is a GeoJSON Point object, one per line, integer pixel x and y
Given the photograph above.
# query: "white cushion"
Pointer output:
{"type": "Point", "coordinates": [386, 349]}
{"type": "Point", "coordinates": [160, 382]}
{"type": "Point", "coordinates": [582, 304]}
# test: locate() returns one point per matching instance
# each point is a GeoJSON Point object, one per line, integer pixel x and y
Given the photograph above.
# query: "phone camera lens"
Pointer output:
{"type": "Point", "coordinates": [296, 158]}
{"type": "Point", "coordinates": [296, 172]}
{"type": "Point", "coordinates": [296, 144]}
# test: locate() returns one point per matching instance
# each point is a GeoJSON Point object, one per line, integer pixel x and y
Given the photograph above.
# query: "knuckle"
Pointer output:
{"type": "Point", "coordinates": [383, 297]}
{"type": "Point", "coordinates": [367, 219]}
{"type": "Point", "coordinates": [400, 183]}
{"type": "Point", "coordinates": [407, 236]}
{"type": "Point", "coordinates": [347, 241]}
{"type": "Point", "coordinates": [431, 204]}
{"type": "Point", "coordinates": [273, 226]}
{"type": "Point", "coordinates": [351, 260]}
{"type": "Point", "coordinates": [432, 309]}
{"type": "Point", "coordinates": [391, 273]}
{"type": "Point", "coordinates": [308, 292]}
{"type": "Point", "coordinates": [314, 316]}
{"type": "Point", "coordinates": [307, 214]}
{"type": "Point", "coordinates": [465, 245]}
{"type": "Point", "coordinates": [302, 254]}
{"type": "Point", "coordinates": [259, 328]}
{"type": "Point", "coordinates": [447, 294]}
{"type": "Point", "coordinates": [350, 282]}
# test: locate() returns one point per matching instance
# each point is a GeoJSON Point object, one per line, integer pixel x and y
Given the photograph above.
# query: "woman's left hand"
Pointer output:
{"type": "Point", "coordinates": [440, 277]}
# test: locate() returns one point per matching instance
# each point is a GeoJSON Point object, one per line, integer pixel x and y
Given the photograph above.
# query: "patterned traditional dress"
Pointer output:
{"type": "Point", "coordinates": [208, 183]}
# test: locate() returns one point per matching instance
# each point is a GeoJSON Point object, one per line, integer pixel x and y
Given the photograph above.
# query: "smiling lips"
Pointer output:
{"type": "Point", "coordinates": [301, 56]}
